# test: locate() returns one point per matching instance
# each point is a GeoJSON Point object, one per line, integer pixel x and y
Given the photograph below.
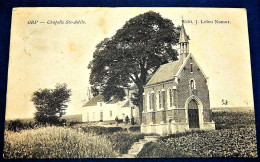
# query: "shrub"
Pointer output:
{"type": "Point", "coordinates": [73, 123]}
{"type": "Point", "coordinates": [134, 128]}
{"type": "Point", "coordinates": [122, 141]}
{"type": "Point", "coordinates": [15, 125]}
{"type": "Point", "coordinates": [99, 130]}
{"type": "Point", "coordinates": [56, 142]}
{"type": "Point", "coordinates": [72, 118]}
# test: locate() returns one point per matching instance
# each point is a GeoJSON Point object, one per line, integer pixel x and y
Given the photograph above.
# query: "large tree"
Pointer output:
{"type": "Point", "coordinates": [136, 51]}
{"type": "Point", "coordinates": [51, 103]}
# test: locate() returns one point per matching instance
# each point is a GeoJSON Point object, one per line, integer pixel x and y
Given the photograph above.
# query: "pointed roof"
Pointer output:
{"type": "Point", "coordinates": [168, 71]}
{"type": "Point", "coordinates": [165, 72]}
{"type": "Point", "coordinates": [127, 104]}
{"type": "Point", "coordinates": [183, 35]}
{"type": "Point", "coordinates": [99, 98]}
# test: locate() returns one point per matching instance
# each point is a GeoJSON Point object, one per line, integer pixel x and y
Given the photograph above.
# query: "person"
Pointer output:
{"type": "Point", "coordinates": [126, 119]}
{"type": "Point", "coordinates": [116, 119]}
{"type": "Point", "coordinates": [132, 120]}
{"type": "Point", "coordinates": [64, 122]}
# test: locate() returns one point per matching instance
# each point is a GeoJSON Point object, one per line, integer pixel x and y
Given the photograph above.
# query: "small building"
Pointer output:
{"type": "Point", "coordinates": [97, 110]}
{"type": "Point", "coordinates": [176, 98]}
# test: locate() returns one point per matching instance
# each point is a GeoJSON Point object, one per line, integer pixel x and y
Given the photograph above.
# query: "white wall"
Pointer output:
{"type": "Point", "coordinates": [117, 110]}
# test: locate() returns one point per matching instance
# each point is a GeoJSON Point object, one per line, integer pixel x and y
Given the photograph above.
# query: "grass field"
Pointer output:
{"type": "Point", "coordinates": [56, 142]}
{"type": "Point", "coordinates": [235, 137]}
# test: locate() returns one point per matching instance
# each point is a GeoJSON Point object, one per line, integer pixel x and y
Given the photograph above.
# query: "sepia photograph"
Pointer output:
{"type": "Point", "coordinates": [99, 82]}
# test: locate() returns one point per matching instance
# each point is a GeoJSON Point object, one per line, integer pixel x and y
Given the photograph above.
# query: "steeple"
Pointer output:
{"type": "Point", "coordinates": [184, 43]}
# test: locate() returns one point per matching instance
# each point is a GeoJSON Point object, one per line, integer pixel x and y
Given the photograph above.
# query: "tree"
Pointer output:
{"type": "Point", "coordinates": [51, 103]}
{"type": "Point", "coordinates": [136, 51]}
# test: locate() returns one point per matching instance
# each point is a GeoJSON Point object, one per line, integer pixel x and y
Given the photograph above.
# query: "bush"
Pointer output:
{"type": "Point", "coordinates": [73, 123]}
{"type": "Point", "coordinates": [99, 130]}
{"type": "Point", "coordinates": [18, 125]}
{"type": "Point", "coordinates": [72, 118]}
{"type": "Point", "coordinates": [56, 142]}
{"type": "Point", "coordinates": [123, 141]}
{"type": "Point", "coordinates": [120, 139]}
{"type": "Point", "coordinates": [134, 128]}
{"type": "Point", "coordinates": [15, 125]}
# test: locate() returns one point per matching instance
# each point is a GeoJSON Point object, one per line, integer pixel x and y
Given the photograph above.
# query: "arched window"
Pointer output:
{"type": "Point", "coordinates": [159, 99]}
{"type": "Point", "coordinates": [192, 84]}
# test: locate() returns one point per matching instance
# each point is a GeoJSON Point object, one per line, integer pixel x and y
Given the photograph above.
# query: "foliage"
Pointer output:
{"type": "Point", "coordinates": [223, 143]}
{"type": "Point", "coordinates": [56, 142]}
{"type": "Point", "coordinates": [15, 125]}
{"type": "Point", "coordinates": [18, 125]}
{"type": "Point", "coordinates": [99, 130]}
{"type": "Point", "coordinates": [72, 118]}
{"type": "Point", "coordinates": [136, 50]}
{"type": "Point", "coordinates": [134, 128]}
{"type": "Point", "coordinates": [51, 103]}
{"type": "Point", "coordinates": [122, 141]}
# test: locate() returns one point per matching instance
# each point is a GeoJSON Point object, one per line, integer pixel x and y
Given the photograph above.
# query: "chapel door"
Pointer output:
{"type": "Point", "coordinates": [101, 116]}
{"type": "Point", "coordinates": [193, 114]}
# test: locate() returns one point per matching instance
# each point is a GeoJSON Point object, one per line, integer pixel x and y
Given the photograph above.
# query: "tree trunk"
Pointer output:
{"type": "Point", "coordinates": [140, 95]}
{"type": "Point", "coordinates": [141, 90]}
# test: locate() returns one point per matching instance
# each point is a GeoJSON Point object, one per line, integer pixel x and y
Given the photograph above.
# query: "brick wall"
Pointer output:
{"type": "Point", "coordinates": [183, 93]}
{"type": "Point", "coordinates": [183, 90]}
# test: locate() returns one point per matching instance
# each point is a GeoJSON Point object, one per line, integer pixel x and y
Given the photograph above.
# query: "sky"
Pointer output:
{"type": "Point", "coordinates": [43, 54]}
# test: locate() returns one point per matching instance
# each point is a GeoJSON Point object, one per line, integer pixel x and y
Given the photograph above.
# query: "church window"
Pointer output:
{"type": "Point", "coordinates": [159, 99]}
{"type": "Point", "coordinates": [192, 84]}
{"type": "Point", "coordinates": [148, 101]}
{"type": "Point", "coordinates": [171, 97]}
{"type": "Point", "coordinates": [191, 70]}
{"type": "Point", "coordinates": [163, 99]}
{"type": "Point", "coordinates": [152, 100]}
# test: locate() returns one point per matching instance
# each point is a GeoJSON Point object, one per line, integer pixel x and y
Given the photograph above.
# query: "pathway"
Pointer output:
{"type": "Point", "coordinates": [137, 146]}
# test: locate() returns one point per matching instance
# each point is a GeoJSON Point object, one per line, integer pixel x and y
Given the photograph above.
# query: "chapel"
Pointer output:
{"type": "Point", "coordinates": [176, 98]}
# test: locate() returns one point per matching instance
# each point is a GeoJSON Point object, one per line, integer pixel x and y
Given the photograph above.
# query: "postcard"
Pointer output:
{"type": "Point", "coordinates": [129, 83]}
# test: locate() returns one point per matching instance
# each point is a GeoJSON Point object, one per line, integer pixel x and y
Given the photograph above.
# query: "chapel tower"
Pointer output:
{"type": "Point", "coordinates": [184, 44]}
